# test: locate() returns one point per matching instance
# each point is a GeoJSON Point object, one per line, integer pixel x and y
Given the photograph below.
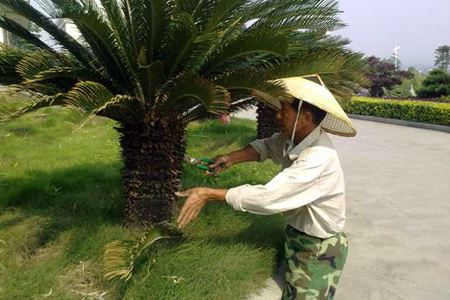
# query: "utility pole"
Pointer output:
{"type": "Point", "coordinates": [396, 56]}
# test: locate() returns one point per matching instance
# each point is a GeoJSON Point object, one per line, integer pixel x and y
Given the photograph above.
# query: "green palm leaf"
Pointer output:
{"type": "Point", "coordinates": [190, 91]}
{"type": "Point", "coordinates": [9, 58]}
{"type": "Point", "coordinates": [245, 46]}
{"type": "Point", "coordinates": [35, 104]}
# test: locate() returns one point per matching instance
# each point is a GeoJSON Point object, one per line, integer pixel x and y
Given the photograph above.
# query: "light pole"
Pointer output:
{"type": "Point", "coordinates": [396, 55]}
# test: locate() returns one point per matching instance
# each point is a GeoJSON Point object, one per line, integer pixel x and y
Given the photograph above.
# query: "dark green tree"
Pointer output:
{"type": "Point", "coordinates": [442, 57]}
{"type": "Point", "coordinates": [154, 66]}
{"type": "Point", "coordinates": [435, 85]}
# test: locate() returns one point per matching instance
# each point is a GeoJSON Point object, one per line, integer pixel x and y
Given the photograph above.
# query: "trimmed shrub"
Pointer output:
{"type": "Point", "coordinates": [436, 85]}
{"type": "Point", "coordinates": [417, 111]}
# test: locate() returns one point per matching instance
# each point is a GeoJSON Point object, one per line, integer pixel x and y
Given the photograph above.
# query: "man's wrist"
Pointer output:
{"type": "Point", "coordinates": [215, 194]}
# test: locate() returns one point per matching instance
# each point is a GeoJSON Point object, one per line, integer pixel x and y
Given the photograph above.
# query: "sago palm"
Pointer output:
{"type": "Point", "coordinates": [156, 65]}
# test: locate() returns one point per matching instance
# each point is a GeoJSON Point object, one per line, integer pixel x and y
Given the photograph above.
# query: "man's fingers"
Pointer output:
{"type": "Point", "coordinates": [187, 207]}
{"type": "Point", "coordinates": [187, 218]}
{"type": "Point", "coordinates": [183, 211]}
{"type": "Point", "coordinates": [186, 210]}
{"type": "Point", "coordinates": [183, 222]}
{"type": "Point", "coordinates": [189, 212]}
{"type": "Point", "coordinates": [183, 193]}
{"type": "Point", "coordinates": [219, 162]}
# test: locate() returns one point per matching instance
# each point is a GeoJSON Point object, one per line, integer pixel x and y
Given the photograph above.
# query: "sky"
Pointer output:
{"type": "Point", "coordinates": [417, 26]}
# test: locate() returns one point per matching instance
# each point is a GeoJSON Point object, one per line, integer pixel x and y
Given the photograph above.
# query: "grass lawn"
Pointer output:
{"type": "Point", "coordinates": [61, 202]}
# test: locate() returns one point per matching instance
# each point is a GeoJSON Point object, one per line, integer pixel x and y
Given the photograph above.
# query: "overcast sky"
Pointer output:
{"type": "Point", "coordinates": [418, 26]}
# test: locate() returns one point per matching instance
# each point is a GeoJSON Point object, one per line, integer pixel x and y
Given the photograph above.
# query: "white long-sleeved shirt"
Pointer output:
{"type": "Point", "coordinates": [309, 191]}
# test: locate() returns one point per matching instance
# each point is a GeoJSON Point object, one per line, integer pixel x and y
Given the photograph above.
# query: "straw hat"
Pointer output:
{"type": "Point", "coordinates": [336, 121]}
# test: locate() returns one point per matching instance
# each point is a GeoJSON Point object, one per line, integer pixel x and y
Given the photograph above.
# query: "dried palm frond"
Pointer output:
{"type": "Point", "coordinates": [120, 257]}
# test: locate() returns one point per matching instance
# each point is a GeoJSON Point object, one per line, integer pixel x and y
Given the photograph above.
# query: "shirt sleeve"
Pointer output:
{"type": "Point", "coordinates": [269, 148]}
{"type": "Point", "coordinates": [294, 187]}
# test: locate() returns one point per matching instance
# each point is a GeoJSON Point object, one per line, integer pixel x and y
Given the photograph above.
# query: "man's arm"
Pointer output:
{"type": "Point", "coordinates": [243, 155]}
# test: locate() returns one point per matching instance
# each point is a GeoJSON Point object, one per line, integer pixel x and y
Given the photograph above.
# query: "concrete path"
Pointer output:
{"type": "Point", "coordinates": [398, 208]}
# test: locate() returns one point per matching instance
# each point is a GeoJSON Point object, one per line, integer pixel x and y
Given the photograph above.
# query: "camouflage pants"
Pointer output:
{"type": "Point", "coordinates": [313, 265]}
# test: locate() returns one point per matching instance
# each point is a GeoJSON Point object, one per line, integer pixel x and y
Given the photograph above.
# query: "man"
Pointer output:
{"type": "Point", "coordinates": [309, 190]}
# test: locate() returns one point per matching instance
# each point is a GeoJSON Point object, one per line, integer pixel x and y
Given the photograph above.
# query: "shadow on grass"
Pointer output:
{"type": "Point", "coordinates": [263, 232]}
{"type": "Point", "coordinates": [87, 190]}
{"type": "Point", "coordinates": [79, 199]}
{"type": "Point", "coordinates": [84, 198]}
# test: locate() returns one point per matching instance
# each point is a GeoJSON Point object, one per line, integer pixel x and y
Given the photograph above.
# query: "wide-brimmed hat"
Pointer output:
{"type": "Point", "coordinates": [305, 88]}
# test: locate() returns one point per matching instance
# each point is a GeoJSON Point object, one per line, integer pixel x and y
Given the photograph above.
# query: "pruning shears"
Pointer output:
{"type": "Point", "coordinates": [203, 164]}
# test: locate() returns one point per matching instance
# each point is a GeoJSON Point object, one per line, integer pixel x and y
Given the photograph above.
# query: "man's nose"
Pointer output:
{"type": "Point", "coordinates": [278, 115]}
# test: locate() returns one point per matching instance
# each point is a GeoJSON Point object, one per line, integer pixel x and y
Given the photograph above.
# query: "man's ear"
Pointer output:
{"type": "Point", "coordinates": [308, 117]}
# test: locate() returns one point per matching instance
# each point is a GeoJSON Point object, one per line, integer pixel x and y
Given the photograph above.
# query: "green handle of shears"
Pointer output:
{"type": "Point", "coordinates": [203, 167]}
{"type": "Point", "coordinates": [207, 160]}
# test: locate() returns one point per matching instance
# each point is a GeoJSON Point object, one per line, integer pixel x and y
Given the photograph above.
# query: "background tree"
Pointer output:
{"type": "Point", "coordinates": [155, 66]}
{"type": "Point", "coordinates": [408, 87]}
{"type": "Point", "coordinates": [381, 75]}
{"type": "Point", "coordinates": [435, 85]}
{"type": "Point", "coordinates": [442, 57]}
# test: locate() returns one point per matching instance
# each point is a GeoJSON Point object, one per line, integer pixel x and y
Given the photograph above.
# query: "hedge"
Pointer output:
{"type": "Point", "coordinates": [417, 111]}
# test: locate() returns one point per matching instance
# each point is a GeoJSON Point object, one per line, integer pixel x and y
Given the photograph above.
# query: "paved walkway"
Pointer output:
{"type": "Point", "coordinates": [398, 209]}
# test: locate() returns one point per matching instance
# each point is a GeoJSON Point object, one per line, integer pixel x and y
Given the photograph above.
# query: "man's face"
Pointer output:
{"type": "Point", "coordinates": [286, 118]}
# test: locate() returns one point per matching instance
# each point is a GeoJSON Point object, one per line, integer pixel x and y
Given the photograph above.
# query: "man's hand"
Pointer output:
{"type": "Point", "coordinates": [196, 199]}
{"type": "Point", "coordinates": [221, 163]}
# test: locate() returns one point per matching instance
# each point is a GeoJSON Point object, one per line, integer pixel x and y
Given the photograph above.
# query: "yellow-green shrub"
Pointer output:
{"type": "Point", "coordinates": [418, 111]}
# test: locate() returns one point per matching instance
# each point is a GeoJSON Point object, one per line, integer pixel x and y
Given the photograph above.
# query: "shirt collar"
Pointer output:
{"type": "Point", "coordinates": [307, 141]}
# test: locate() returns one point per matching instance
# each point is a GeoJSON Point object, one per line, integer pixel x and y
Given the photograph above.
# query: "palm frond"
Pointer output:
{"type": "Point", "coordinates": [158, 16]}
{"type": "Point", "coordinates": [242, 104]}
{"type": "Point", "coordinates": [177, 44]}
{"type": "Point", "coordinates": [39, 61]}
{"type": "Point", "coordinates": [121, 108]}
{"type": "Point", "coordinates": [219, 14]}
{"type": "Point", "coordinates": [9, 59]}
{"type": "Point", "coordinates": [249, 82]}
{"type": "Point", "coordinates": [348, 80]}
{"type": "Point", "coordinates": [36, 103]}
{"type": "Point", "coordinates": [247, 45]}
{"type": "Point", "coordinates": [80, 74]}
{"type": "Point", "coordinates": [120, 257]}
{"type": "Point", "coordinates": [102, 40]}
{"type": "Point", "coordinates": [88, 96]}
{"type": "Point", "coordinates": [309, 64]}
{"type": "Point", "coordinates": [190, 91]}
{"type": "Point", "coordinates": [307, 14]}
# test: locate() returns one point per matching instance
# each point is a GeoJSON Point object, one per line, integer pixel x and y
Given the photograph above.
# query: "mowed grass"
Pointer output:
{"type": "Point", "coordinates": [61, 203]}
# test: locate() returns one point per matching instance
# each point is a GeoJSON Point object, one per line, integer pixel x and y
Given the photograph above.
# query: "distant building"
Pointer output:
{"type": "Point", "coordinates": [5, 36]}
{"type": "Point", "coordinates": [67, 25]}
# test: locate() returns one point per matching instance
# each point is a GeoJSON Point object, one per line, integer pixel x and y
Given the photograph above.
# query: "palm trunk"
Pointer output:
{"type": "Point", "coordinates": [153, 154]}
{"type": "Point", "coordinates": [267, 124]}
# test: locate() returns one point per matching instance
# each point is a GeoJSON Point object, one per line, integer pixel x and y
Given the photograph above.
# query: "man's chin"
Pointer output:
{"type": "Point", "coordinates": [284, 133]}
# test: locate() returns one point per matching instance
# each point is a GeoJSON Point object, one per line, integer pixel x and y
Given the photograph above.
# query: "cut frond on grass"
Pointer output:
{"type": "Point", "coordinates": [120, 257]}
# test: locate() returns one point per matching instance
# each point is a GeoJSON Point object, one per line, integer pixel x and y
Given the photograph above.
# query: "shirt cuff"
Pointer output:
{"type": "Point", "coordinates": [261, 148]}
{"type": "Point", "coordinates": [233, 199]}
